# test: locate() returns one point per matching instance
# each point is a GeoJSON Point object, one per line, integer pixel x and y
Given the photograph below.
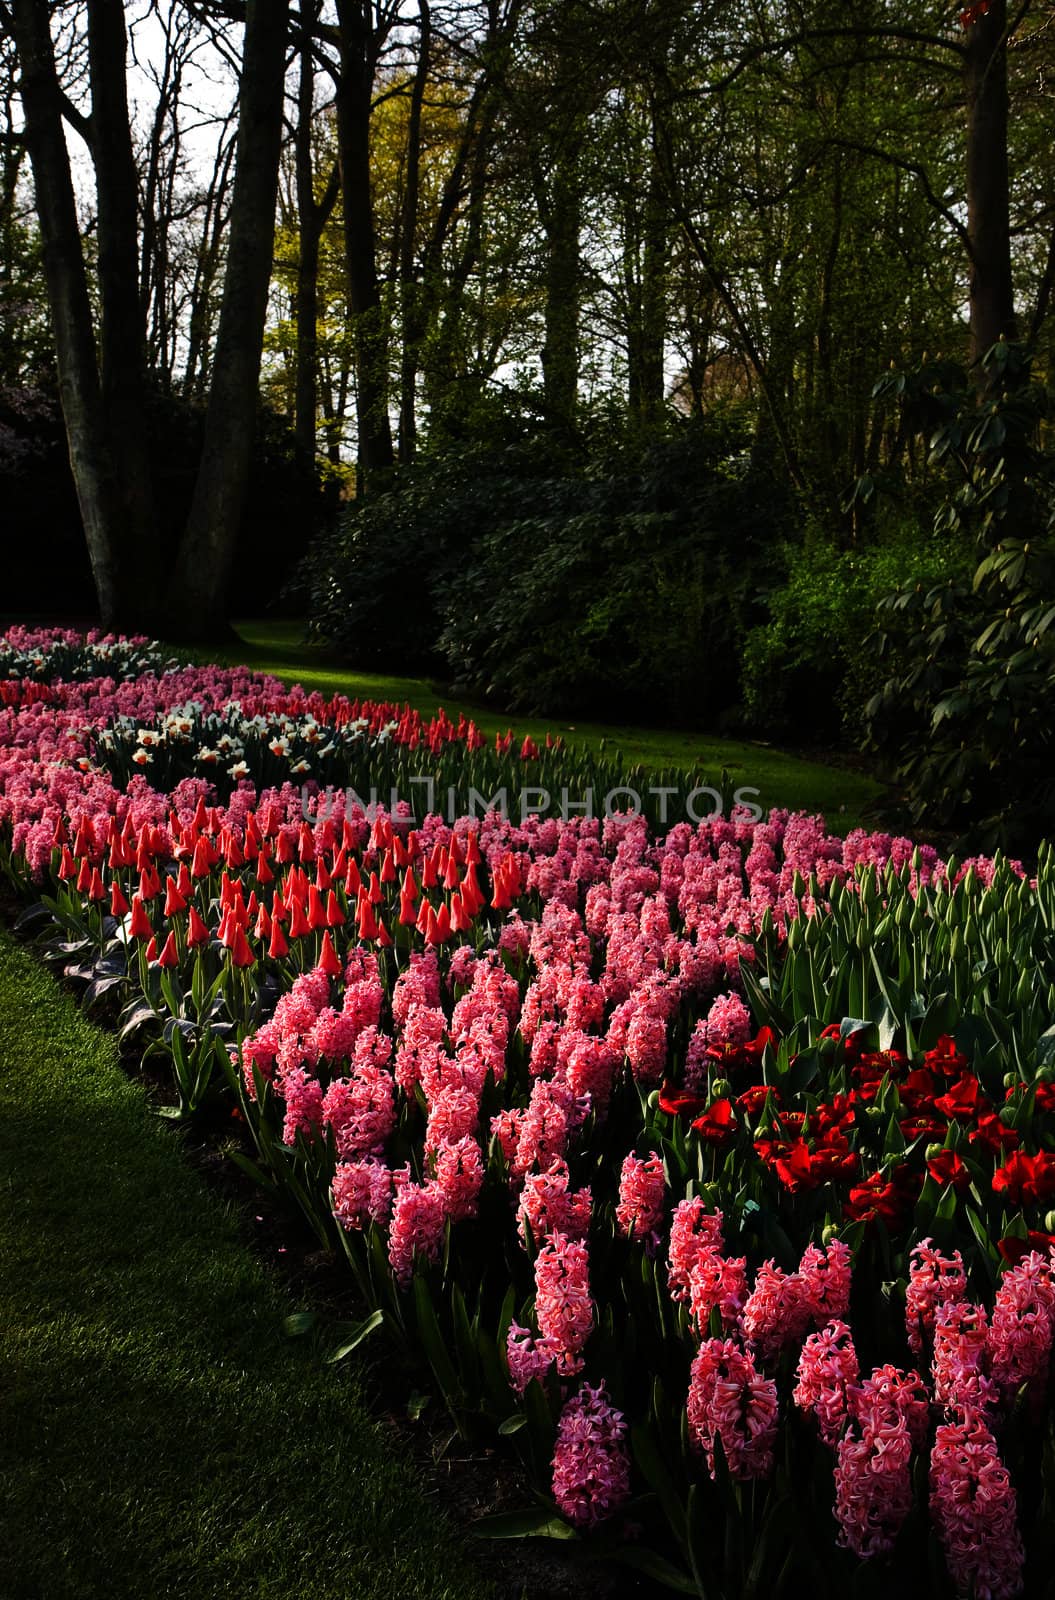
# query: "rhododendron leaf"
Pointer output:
{"type": "Point", "coordinates": [359, 1332]}
{"type": "Point", "coordinates": [535, 1523]}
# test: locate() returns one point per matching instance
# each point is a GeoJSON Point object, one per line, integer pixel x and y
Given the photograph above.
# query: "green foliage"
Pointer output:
{"type": "Point", "coordinates": [805, 670]}
{"type": "Point", "coordinates": [582, 576]}
{"type": "Point", "coordinates": [966, 718]}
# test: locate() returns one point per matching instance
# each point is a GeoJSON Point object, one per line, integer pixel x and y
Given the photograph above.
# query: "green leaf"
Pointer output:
{"type": "Point", "coordinates": [361, 1331]}
{"type": "Point", "coordinates": [655, 1567]}
{"type": "Point", "coordinates": [298, 1323]}
{"type": "Point", "coordinates": [512, 1425]}
{"type": "Point", "coordinates": [536, 1523]}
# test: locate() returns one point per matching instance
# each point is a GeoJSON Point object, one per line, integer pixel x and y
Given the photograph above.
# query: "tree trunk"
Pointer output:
{"type": "Point", "coordinates": [649, 379]}
{"type": "Point", "coordinates": [122, 338]}
{"type": "Point", "coordinates": [206, 554]}
{"type": "Point", "coordinates": [413, 329]}
{"type": "Point", "coordinates": [988, 204]}
{"type": "Point", "coordinates": [70, 305]}
{"type": "Point", "coordinates": [560, 353]}
{"type": "Point", "coordinates": [354, 94]}
{"type": "Point", "coordinates": [312, 219]}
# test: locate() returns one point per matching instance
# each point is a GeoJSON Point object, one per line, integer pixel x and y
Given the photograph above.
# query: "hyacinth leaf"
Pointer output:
{"type": "Point", "coordinates": [466, 1347]}
{"type": "Point", "coordinates": [435, 1349]}
{"type": "Point", "coordinates": [534, 1523]}
{"type": "Point", "coordinates": [512, 1425]}
{"type": "Point", "coordinates": [257, 1174]}
{"type": "Point", "coordinates": [776, 1528]}
{"type": "Point", "coordinates": [651, 1464]}
{"type": "Point", "coordinates": [655, 1567]}
{"type": "Point", "coordinates": [354, 1339]}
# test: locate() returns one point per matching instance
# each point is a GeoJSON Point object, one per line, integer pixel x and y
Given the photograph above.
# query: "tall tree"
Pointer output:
{"type": "Point", "coordinates": [110, 509]}
{"type": "Point", "coordinates": [206, 553]}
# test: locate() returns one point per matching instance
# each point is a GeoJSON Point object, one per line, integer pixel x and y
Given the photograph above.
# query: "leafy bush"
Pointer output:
{"type": "Point", "coordinates": [804, 668]}
{"type": "Point", "coordinates": [608, 574]}
{"type": "Point", "coordinates": [966, 720]}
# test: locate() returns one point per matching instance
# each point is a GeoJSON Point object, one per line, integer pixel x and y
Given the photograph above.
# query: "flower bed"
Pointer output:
{"type": "Point", "coordinates": [710, 1167]}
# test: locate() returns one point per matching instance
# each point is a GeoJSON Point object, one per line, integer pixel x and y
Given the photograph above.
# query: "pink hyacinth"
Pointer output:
{"type": "Point", "coordinates": [361, 1111]}
{"type": "Point", "coordinates": [933, 1279]}
{"type": "Point", "coordinates": [304, 1104]}
{"type": "Point", "coordinates": [563, 1308]}
{"type": "Point", "coordinates": [728, 1021]}
{"type": "Point", "coordinates": [827, 1369]}
{"type": "Point", "coordinates": [729, 1400]}
{"type": "Point", "coordinates": [693, 1231]}
{"type": "Point", "coordinates": [873, 1484]}
{"type": "Point", "coordinates": [973, 1508]}
{"type": "Point", "coordinates": [548, 1206]}
{"type": "Point", "coordinates": [891, 1392]}
{"type": "Point", "coordinates": [825, 1273]}
{"type": "Point", "coordinates": [778, 1311]}
{"type": "Point", "coordinates": [1020, 1333]}
{"type": "Point", "coordinates": [591, 1463]}
{"type": "Point", "coordinates": [362, 1193]}
{"type": "Point", "coordinates": [642, 1189]}
{"type": "Point", "coordinates": [961, 1380]}
{"type": "Point", "coordinates": [460, 1177]}
{"type": "Point", "coordinates": [528, 1358]}
{"type": "Point", "coordinates": [717, 1283]}
{"type": "Point", "coordinates": [416, 1232]}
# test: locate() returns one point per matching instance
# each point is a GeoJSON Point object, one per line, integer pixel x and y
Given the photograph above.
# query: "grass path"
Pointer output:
{"type": "Point", "coordinates": [782, 779]}
{"type": "Point", "coordinates": [160, 1437]}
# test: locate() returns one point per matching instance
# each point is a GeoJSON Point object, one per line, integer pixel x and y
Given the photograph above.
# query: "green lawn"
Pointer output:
{"type": "Point", "coordinates": [782, 779]}
{"type": "Point", "coordinates": [160, 1436]}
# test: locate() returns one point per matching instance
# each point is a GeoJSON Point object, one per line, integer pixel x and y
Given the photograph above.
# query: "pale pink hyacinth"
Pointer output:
{"type": "Point", "coordinates": [1019, 1343]}
{"type": "Point", "coordinates": [730, 1401]}
{"type": "Point", "coordinates": [362, 1193]}
{"type": "Point", "coordinates": [416, 1231]}
{"type": "Point", "coordinates": [693, 1231]}
{"type": "Point", "coordinates": [563, 1308]}
{"type": "Point", "coordinates": [642, 1192]}
{"type": "Point", "coordinates": [591, 1462]}
{"type": "Point", "coordinates": [974, 1511]}
{"type": "Point", "coordinates": [933, 1279]}
{"type": "Point", "coordinates": [548, 1205]}
{"type": "Point", "coordinates": [827, 1370]}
